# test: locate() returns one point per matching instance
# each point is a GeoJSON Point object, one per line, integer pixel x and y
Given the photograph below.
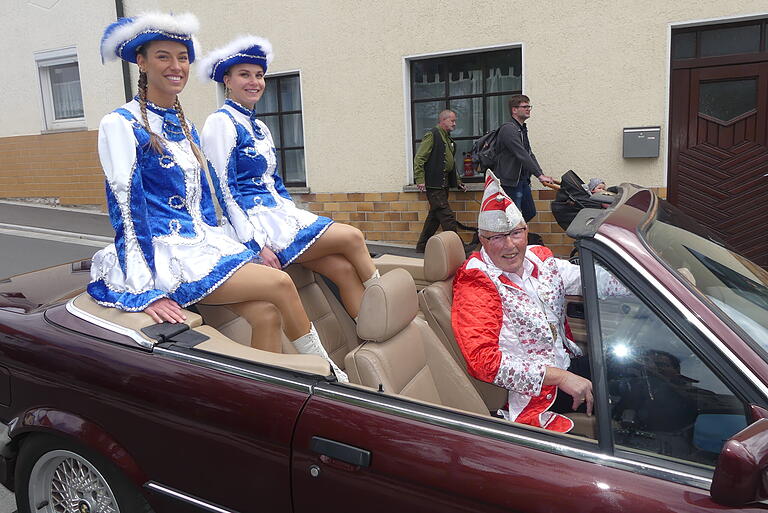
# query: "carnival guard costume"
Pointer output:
{"type": "Point", "coordinates": [508, 338]}
{"type": "Point", "coordinates": [242, 153]}
{"type": "Point", "coordinates": [167, 241]}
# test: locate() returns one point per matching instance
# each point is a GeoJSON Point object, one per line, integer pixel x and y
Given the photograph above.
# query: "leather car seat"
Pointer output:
{"type": "Point", "coordinates": [443, 255]}
{"type": "Point", "coordinates": [335, 327]}
{"type": "Point", "coordinates": [401, 354]}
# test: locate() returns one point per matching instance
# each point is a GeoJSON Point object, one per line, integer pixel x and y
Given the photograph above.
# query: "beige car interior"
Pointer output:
{"type": "Point", "coordinates": [403, 343]}
{"type": "Point", "coordinates": [443, 256]}
{"type": "Point", "coordinates": [401, 354]}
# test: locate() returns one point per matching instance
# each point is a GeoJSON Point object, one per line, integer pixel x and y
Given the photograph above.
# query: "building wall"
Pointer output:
{"type": "Point", "coordinates": [591, 68]}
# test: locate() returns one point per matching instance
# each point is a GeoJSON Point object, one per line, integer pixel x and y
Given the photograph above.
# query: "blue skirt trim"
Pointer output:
{"type": "Point", "coordinates": [303, 240]}
{"type": "Point", "coordinates": [185, 294]}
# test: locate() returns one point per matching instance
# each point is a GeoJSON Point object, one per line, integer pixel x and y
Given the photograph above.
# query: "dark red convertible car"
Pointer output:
{"type": "Point", "coordinates": [106, 412]}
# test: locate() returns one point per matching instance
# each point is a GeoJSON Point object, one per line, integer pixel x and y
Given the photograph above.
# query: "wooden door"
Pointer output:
{"type": "Point", "coordinates": [718, 170]}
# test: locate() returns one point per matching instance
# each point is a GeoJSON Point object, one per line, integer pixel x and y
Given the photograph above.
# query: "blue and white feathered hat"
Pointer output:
{"type": "Point", "coordinates": [245, 49]}
{"type": "Point", "coordinates": [124, 37]}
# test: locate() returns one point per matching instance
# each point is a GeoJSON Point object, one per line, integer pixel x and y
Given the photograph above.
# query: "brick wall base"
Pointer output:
{"type": "Point", "coordinates": [58, 168]}
{"type": "Point", "coordinates": [398, 217]}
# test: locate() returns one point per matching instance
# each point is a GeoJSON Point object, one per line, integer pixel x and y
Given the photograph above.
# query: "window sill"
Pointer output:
{"type": "Point", "coordinates": [471, 187]}
{"type": "Point", "coordinates": [299, 190]}
{"type": "Point", "coordinates": [63, 129]}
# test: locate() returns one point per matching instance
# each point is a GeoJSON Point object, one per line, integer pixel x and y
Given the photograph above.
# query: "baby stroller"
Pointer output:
{"type": "Point", "coordinates": [572, 196]}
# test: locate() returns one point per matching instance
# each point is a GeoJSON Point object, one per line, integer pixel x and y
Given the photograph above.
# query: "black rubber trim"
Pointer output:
{"type": "Point", "coordinates": [164, 331]}
{"type": "Point", "coordinates": [188, 338]}
{"type": "Point", "coordinates": [341, 451]}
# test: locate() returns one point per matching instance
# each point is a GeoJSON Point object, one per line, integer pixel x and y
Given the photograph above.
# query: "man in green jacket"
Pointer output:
{"type": "Point", "coordinates": [434, 170]}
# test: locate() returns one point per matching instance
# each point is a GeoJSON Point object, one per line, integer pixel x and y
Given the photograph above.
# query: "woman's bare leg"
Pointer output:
{"type": "Point", "coordinates": [341, 272]}
{"type": "Point", "coordinates": [254, 282]}
{"type": "Point", "coordinates": [345, 240]}
{"type": "Point", "coordinates": [266, 316]}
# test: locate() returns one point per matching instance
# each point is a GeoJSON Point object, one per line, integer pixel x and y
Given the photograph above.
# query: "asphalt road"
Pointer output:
{"type": "Point", "coordinates": [24, 254]}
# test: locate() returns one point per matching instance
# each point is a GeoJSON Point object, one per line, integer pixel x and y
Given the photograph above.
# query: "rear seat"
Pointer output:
{"type": "Point", "coordinates": [401, 354]}
{"type": "Point", "coordinates": [335, 327]}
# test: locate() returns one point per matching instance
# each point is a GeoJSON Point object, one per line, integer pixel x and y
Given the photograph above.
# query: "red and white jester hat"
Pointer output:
{"type": "Point", "coordinates": [498, 213]}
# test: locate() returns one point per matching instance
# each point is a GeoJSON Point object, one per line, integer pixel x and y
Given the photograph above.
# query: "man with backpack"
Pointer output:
{"type": "Point", "coordinates": [434, 170]}
{"type": "Point", "coordinates": [515, 162]}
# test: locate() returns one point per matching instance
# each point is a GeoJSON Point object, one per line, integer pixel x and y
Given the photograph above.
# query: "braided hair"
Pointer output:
{"type": "Point", "coordinates": [195, 148]}
{"type": "Point", "coordinates": [154, 140]}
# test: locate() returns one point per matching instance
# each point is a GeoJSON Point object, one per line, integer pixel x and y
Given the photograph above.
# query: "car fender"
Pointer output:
{"type": "Point", "coordinates": [62, 423]}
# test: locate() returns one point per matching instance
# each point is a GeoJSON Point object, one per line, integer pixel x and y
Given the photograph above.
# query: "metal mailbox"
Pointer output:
{"type": "Point", "coordinates": [641, 142]}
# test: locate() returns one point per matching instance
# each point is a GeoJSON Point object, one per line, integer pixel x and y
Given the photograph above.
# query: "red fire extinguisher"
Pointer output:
{"type": "Point", "coordinates": [469, 168]}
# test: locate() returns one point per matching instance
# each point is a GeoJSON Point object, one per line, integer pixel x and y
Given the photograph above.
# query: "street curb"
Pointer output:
{"type": "Point", "coordinates": [20, 230]}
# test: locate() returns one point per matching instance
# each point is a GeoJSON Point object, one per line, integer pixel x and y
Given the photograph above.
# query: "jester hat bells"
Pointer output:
{"type": "Point", "coordinates": [498, 213]}
{"type": "Point", "coordinates": [123, 38]}
{"type": "Point", "coordinates": [245, 49]}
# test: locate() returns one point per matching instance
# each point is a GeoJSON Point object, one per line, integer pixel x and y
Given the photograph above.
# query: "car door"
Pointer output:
{"type": "Point", "coordinates": [205, 431]}
{"type": "Point", "coordinates": [356, 447]}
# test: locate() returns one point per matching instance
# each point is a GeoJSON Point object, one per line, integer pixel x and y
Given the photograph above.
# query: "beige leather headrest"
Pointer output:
{"type": "Point", "coordinates": [443, 255]}
{"type": "Point", "coordinates": [388, 306]}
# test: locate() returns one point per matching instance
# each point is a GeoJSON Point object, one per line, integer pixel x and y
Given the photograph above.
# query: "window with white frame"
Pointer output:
{"type": "Point", "coordinates": [476, 86]}
{"type": "Point", "coordinates": [61, 96]}
{"type": "Point", "coordinates": [280, 108]}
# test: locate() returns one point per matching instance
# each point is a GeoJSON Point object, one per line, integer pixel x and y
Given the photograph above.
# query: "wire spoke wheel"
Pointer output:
{"type": "Point", "coordinates": [64, 482]}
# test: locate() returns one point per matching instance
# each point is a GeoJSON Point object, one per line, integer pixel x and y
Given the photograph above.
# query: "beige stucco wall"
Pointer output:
{"type": "Point", "coordinates": [590, 67]}
{"type": "Point", "coordinates": [41, 25]}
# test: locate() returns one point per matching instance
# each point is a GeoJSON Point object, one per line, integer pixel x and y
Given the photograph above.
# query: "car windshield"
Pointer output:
{"type": "Point", "coordinates": [737, 286]}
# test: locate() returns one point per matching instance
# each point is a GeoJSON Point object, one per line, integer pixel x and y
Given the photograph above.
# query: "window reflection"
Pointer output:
{"type": "Point", "coordinates": [664, 399]}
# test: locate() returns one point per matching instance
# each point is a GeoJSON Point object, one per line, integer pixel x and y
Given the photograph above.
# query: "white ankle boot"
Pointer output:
{"type": "Point", "coordinates": [310, 344]}
{"type": "Point", "coordinates": [370, 281]}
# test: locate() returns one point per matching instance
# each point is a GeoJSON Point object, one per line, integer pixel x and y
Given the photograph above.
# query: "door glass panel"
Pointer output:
{"type": "Point", "coordinates": [684, 45]}
{"type": "Point", "coordinates": [664, 399]}
{"type": "Point", "coordinates": [469, 117]}
{"type": "Point", "coordinates": [428, 79]}
{"type": "Point", "coordinates": [730, 40]}
{"type": "Point", "coordinates": [727, 99]}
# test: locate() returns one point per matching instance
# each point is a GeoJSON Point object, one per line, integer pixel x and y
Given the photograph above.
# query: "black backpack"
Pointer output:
{"type": "Point", "coordinates": [484, 151]}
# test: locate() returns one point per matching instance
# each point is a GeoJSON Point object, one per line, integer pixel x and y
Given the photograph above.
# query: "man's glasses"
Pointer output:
{"type": "Point", "coordinates": [500, 238]}
{"type": "Point", "coordinates": [526, 107]}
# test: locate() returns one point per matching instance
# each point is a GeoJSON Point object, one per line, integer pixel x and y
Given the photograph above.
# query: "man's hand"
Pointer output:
{"type": "Point", "coordinates": [421, 187]}
{"type": "Point", "coordinates": [269, 258]}
{"type": "Point", "coordinates": [545, 179]}
{"type": "Point", "coordinates": [165, 310]}
{"type": "Point", "coordinates": [574, 385]}
{"type": "Point", "coordinates": [463, 187]}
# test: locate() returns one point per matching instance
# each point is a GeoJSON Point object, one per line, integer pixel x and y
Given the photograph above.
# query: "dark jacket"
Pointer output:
{"type": "Point", "coordinates": [515, 162]}
{"type": "Point", "coordinates": [435, 175]}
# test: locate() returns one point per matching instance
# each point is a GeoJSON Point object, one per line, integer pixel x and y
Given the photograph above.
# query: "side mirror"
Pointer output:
{"type": "Point", "coordinates": [739, 475]}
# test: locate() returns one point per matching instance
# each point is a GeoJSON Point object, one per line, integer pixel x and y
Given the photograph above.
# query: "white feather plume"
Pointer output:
{"type": "Point", "coordinates": [237, 45]}
{"type": "Point", "coordinates": [184, 23]}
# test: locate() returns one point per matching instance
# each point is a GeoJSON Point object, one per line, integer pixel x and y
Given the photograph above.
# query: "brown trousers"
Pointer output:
{"type": "Point", "coordinates": [440, 215]}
